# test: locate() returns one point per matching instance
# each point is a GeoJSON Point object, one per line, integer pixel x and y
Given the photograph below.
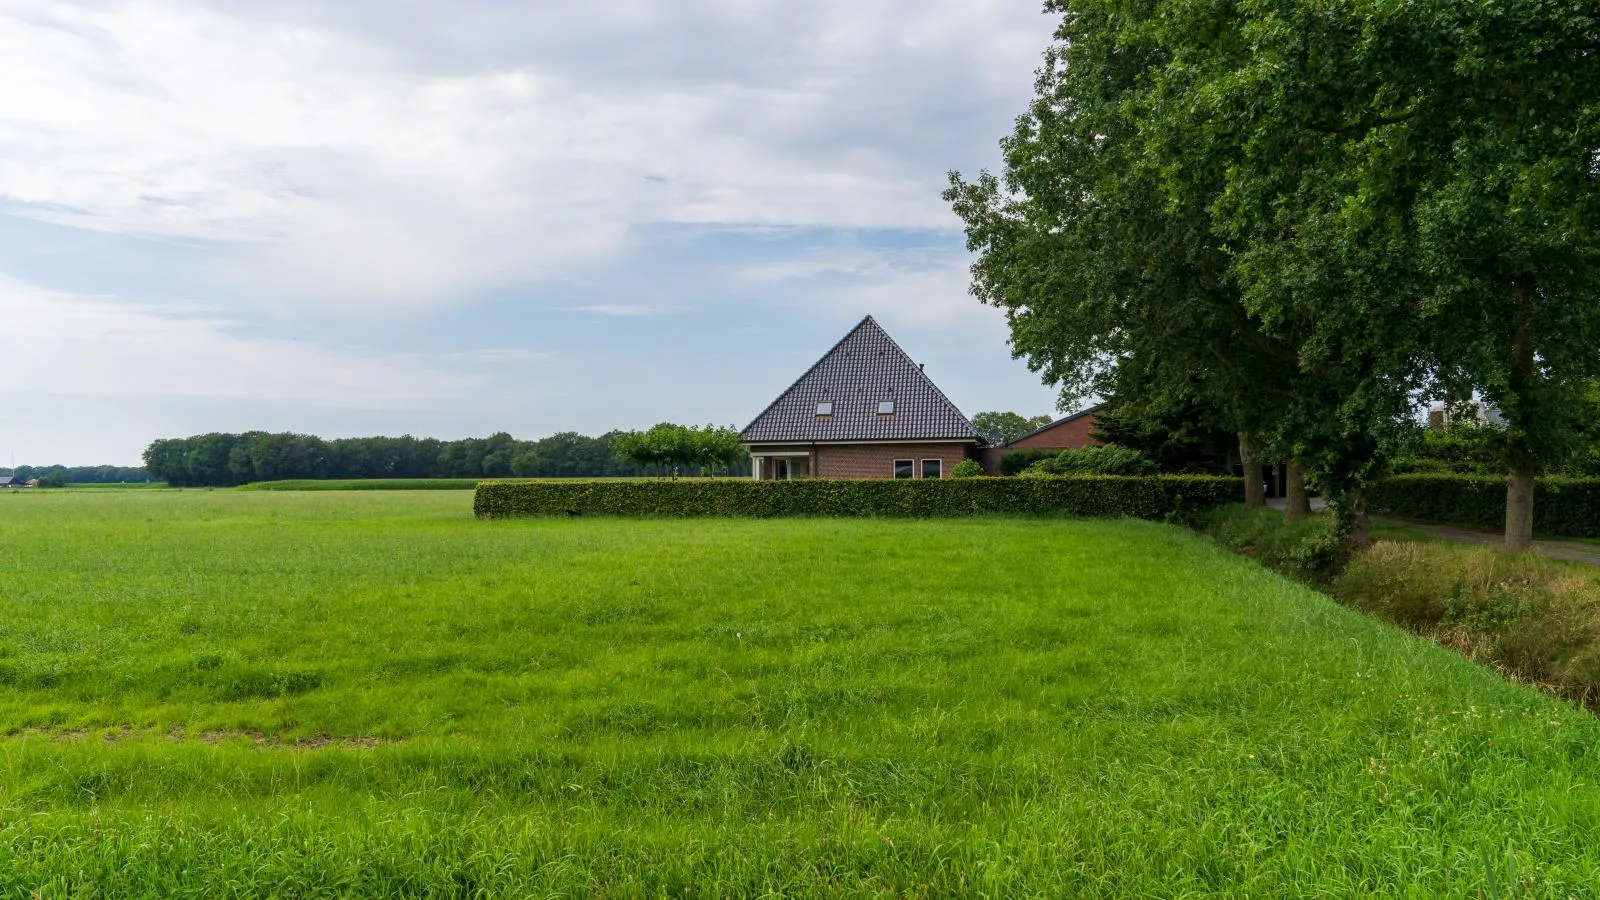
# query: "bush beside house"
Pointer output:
{"type": "Point", "coordinates": [967, 468]}
{"type": "Point", "coordinates": [1104, 459]}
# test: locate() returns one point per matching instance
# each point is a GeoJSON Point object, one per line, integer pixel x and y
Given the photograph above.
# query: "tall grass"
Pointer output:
{"type": "Point", "coordinates": [321, 694]}
{"type": "Point", "coordinates": [1535, 618]}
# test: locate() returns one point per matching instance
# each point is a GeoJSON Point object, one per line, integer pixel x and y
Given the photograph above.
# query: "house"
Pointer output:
{"type": "Point", "coordinates": [1073, 432]}
{"type": "Point", "coordinates": [10, 481]}
{"type": "Point", "coordinates": [1474, 411]}
{"type": "Point", "coordinates": [865, 410]}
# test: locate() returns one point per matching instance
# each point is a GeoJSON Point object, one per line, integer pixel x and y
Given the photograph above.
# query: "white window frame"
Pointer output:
{"type": "Point", "coordinates": [826, 404]}
{"type": "Point", "coordinates": [922, 472]}
{"type": "Point", "coordinates": [884, 412]}
{"type": "Point", "coordinates": [894, 471]}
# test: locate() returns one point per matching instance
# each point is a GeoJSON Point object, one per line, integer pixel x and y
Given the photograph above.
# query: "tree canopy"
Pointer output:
{"type": "Point", "coordinates": [1008, 425]}
{"type": "Point", "coordinates": [229, 459]}
{"type": "Point", "coordinates": [1306, 217]}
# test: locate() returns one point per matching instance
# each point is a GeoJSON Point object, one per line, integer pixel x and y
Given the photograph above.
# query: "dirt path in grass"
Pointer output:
{"type": "Point", "coordinates": [1571, 550]}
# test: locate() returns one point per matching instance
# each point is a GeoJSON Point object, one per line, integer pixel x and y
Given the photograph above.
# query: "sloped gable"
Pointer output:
{"type": "Point", "coordinates": [862, 370]}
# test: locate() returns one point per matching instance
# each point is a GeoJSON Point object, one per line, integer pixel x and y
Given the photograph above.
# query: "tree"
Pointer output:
{"type": "Point", "coordinates": [717, 449]}
{"type": "Point", "coordinates": [1168, 427]}
{"type": "Point", "coordinates": [1420, 189]}
{"type": "Point", "coordinates": [642, 448]}
{"type": "Point", "coordinates": [1102, 257]}
{"type": "Point", "coordinates": [1008, 425]}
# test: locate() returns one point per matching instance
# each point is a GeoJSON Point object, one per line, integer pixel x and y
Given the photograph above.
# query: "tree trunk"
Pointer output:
{"type": "Point", "coordinates": [1255, 495]}
{"type": "Point", "coordinates": [1360, 536]}
{"type": "Point", "coordinates": [1519, 492]}
{"type": "Point", "coordinates": [1519, 509]}
{"type": "Point", "coordinates": [1297, 501]}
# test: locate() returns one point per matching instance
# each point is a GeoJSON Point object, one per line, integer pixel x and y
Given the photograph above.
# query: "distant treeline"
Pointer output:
{"type": "Point", "coordinates": [216, 460]}
{"type": "Point", "coordinates": [80, 474]}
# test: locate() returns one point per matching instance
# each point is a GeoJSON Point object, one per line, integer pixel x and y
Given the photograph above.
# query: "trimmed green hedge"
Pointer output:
{"type": "Point", "coordinates": [1562, 506]}
{"type": "Point", "coordinates": [1154, 497]}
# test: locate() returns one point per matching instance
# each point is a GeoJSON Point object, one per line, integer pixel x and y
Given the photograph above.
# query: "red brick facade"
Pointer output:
{"type": "Point", "coordinates": [1072, 434]}
{"type": "Point", "coordinates": [877, 460]}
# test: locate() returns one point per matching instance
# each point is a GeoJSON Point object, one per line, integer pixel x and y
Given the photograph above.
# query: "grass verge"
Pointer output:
{"type": "Point", "coordinates": [325, 694]}
{"type": "Point", "coordinates": [1531, 617]}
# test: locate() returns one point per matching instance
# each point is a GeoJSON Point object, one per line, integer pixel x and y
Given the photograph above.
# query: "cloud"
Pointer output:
{"type": "Point", "coordinates": [922, 287]}
{"type": "Point", "coordinates": [496, 355]}
{"type": "Point", "coordinates": [621, 310]}
{"type": "Point", "coordinates": [368, 156]}
{"type": "Point", "coordinates": [71, 345]}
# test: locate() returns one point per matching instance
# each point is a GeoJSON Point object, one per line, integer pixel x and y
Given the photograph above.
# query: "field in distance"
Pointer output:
{"type": "Point", "coordinates": [401, 484]}
{"type": "Point", "coordinates": [364, 693]}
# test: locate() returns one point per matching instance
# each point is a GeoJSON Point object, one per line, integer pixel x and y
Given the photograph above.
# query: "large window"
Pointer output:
{"type": "Point", "coordinates": [903, 468]}
{"type": "Point", "coordinates": [885, 407]}
{"type": "Point", "coordinates": [932, 468]}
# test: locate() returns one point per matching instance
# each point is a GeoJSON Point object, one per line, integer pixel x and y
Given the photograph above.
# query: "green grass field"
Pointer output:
{"type": "Point", "coordinates": [352, 693]}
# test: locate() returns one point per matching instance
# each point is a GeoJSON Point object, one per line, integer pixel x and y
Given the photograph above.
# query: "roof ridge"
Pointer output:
{"type": "Point", "coordinates": [820, 360]}
{"type": "Point", "coordinates": [932, 413]}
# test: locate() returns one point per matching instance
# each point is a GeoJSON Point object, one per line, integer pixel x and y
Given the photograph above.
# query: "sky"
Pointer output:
{"type": "Point", "coordinates": [354, 217]}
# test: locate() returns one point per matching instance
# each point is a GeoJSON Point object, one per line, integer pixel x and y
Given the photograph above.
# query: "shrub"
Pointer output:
{"type": "Point", "coordinates": [1156, 497]}
{"type": "Point", "coordinates": [1106, 459]}
{"type": "Point", "coordinates": [1468, 448]}
{"type": "Point", "coordinates": [1309, 550]}
{"type": "Point", "coordinates": [1418, 465]}
{"type": "Point", "coordinates": [967, 468]}
{"type": "Point", "coordinates": [1533, 617]}
{"type": "Point", "coordinates": [1017, 461]}
{"type": "Point", "coordinates": [1565, 506]}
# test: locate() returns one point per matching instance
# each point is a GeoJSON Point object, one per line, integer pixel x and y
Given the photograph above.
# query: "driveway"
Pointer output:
{"type": "Point", "coordinates": [1576, 551]}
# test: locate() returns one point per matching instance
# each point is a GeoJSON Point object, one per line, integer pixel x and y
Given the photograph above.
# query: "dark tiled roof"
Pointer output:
{"type": "Point", "coordinates": [860, 371]}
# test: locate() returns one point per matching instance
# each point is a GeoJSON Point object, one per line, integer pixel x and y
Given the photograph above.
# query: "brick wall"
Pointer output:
{"type": "Point", "coordinates": [1073, 435]}
{"type": "Point", "coordinates": [989, 458]}
{"type": "Point", "coordinates": [877, 460]}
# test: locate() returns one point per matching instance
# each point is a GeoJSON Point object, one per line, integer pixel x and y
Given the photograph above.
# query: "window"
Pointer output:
{"type": "Point", "coordinates": [885, 407]}
{"type": "Point", "coordinates": [825, 409]}
{"type": "Point", "coordinates": [932, 468]}
{"type": "Point", "coordinates": [903, 468]}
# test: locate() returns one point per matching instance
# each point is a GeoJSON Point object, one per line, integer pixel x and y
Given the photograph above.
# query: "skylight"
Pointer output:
{"type": "Point", "coordinates": [885, 407]}
{"type": "Point", "coordinates": [824, 409]}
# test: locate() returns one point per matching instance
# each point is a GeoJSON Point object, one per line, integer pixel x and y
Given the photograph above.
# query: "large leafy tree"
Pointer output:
{"type": "Point", "coordinates": [1105, 258]}
{"type": "Point", "coordinates": [1417, 186]}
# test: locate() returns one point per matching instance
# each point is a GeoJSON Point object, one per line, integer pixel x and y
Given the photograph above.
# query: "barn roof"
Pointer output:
{"type": "Point", "coordinates": [864, 369]}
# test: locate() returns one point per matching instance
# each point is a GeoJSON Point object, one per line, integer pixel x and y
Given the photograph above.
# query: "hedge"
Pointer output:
{"type": "Point", "coordinates": [1152, 497]}
{"type": "Point", "coordinates": [1561, 506]}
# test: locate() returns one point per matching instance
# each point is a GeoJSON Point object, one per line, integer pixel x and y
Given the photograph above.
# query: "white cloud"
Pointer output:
{"type": "Point", "coordinates": [68, 345]}
{"type": "Point", "coordinates": [345, 175]}
{"type": "Point", "coordinates": [621, 310]}
{"type": "Point", "coordinates": [924, 289]}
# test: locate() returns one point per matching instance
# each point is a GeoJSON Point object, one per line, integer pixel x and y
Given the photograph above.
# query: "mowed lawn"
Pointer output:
{"type": "Point", "coordinates": [307, 694]}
